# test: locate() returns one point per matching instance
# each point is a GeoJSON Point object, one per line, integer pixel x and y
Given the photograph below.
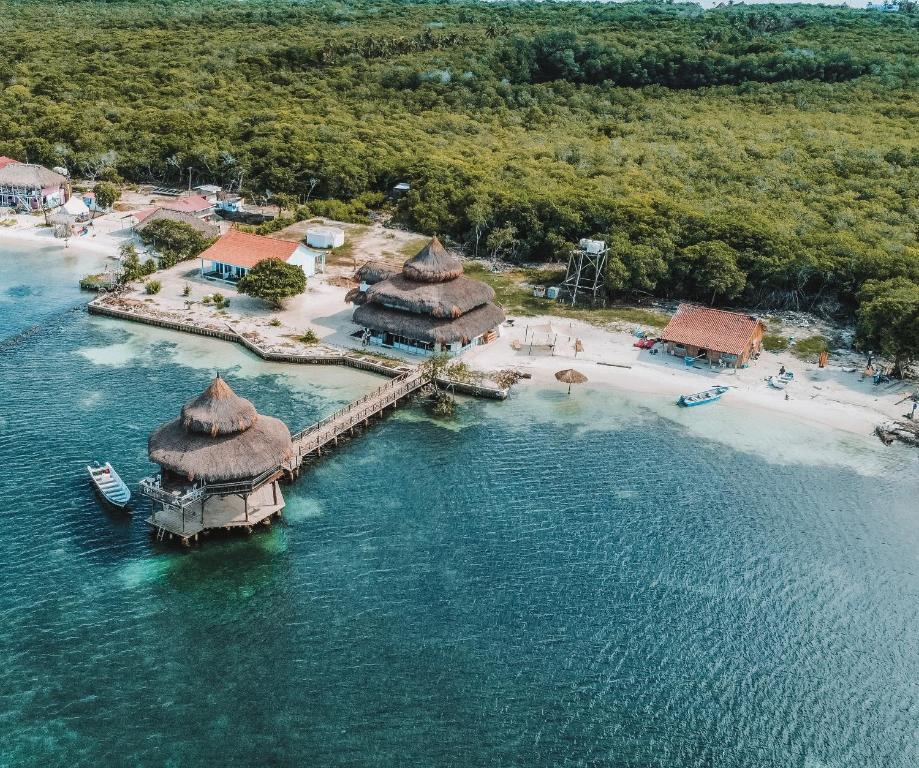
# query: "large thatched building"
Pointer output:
{"type": "Point", "coordinates": [428, 307]}
{"type": "Point", "coordinates": [220, 463]}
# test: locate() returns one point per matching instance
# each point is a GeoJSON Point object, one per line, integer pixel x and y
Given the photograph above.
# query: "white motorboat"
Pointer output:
{"type": "Point", "coordinates": [775, 382]}
{"type": "Point", "coordinates": [109, 485]}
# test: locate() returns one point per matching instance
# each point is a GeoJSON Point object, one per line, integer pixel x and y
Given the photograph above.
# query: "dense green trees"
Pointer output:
{"type": "Point", "coordinates": [888, 318]}
{"type": "Point", "coordinates": [174, 241]}
{"type": "Point", "coordinates": [106, 193]}
{"type": "Point", "coordinates": [273, 281]}
{"type": "Point", "coordinates": [773, 144]}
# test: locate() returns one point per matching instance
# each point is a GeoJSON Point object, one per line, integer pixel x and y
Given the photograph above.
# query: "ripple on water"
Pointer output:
{"type": "Point", "coordinates": [547, 581]}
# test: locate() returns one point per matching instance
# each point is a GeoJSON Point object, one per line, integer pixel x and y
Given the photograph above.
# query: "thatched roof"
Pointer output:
{"type": "Point", "coordinates": [432, 264]}
{"type": "Point", "coordinates": [449, 299]}
{"type": "Point", "coordinates": [30, 175]}
{"type": "Point", "coordinates": [432, 329]}
{"type": "Point", "coordinates": [571, 376]}
{"type": "Point", "coordinates": [218, 411]}
{"type": "Point", "coordinates": [264, 446]}
{"type": "Point", "coordinates": [202, 227]}
{"type": "Point", "coordinates": [219, 438]}
{"type": "Point", "coordinates": [374, 271]}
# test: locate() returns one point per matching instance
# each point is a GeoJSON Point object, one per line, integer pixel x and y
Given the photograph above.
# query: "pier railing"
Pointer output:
{"type": "Point", "coordinates": [315, 436]}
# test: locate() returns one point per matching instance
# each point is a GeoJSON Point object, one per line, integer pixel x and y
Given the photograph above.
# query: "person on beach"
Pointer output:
{"type": "Point", "coordinates": [781, 370]}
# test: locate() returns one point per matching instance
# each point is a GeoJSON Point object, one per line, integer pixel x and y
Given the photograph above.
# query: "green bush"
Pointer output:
{"type": "Point", "coordinates": [775, 342]}
{"type": "Point", "coordinates": [152, 287]}
{"type": "Point", "coordinates": [309, 337]}
{"type": "Point", "coordinates": [186, 291]}
{"type": "Point", "coordinates": [809, 347]}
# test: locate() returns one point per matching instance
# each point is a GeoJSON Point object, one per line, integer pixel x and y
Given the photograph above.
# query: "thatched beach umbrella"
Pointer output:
{"type": "Point", "coordinates": [570, 376]}
{"type": "Point", "coordinates": [220, 438]}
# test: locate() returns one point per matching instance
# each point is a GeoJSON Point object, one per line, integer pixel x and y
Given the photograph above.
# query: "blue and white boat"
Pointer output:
{"type": "Point", "coordinates": [110, 487]}
{"type": "Point", "coordinates": [701, 398]}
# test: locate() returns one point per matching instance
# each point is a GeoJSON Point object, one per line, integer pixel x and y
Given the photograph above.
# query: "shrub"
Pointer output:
{"type": "Point", "coordinates": [152, 287]}
{"type": "Point", "coordinates": [810, 347]}
{"type": "Point", "coordinates": [186, 291]}
{"type": "Point", "coordinates": [309, 337]}
{"type": "Point", "coordinates": [775, 343]}
{"type": "Point", "coordinates": [274, 322]}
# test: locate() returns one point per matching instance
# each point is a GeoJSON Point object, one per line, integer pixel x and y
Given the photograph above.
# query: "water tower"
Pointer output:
{"type": "Point", "coordinates": [586, 273]}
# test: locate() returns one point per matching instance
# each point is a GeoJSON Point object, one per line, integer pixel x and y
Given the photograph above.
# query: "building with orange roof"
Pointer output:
{"type": "Point", "coordinates": [234, 254]}
{"type": "Point", "coordinates": [728, 339]}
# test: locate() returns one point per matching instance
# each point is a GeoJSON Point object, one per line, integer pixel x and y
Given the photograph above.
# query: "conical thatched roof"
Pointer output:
{"type": "Point", "coordinates": [220, 438]}
{"type": "Point", "coordinates": [218, 411]}
{"type": "Point", "coordinates": [450, 299]}
{"type": "Point", "coordinates": [432, 264]}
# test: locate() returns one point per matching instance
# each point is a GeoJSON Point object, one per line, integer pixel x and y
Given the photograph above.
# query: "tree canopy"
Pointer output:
{"type": "Point", "coordinates": [175, 241]}
{"type": "Point", "coordinates": [774, 143]}
{"type": "Point", "coordinates": [273, 281]}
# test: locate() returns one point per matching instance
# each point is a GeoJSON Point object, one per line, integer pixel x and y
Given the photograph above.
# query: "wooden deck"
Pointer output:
{"type": "Point", "coordinates": [183, 522]}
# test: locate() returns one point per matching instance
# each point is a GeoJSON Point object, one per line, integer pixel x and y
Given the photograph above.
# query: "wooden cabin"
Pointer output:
{"type": "Point", "coordinates": [725, 339]}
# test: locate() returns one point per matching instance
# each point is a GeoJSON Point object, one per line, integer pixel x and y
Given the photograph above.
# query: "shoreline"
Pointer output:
{"type": "Point", "coordinates": [833, 398]}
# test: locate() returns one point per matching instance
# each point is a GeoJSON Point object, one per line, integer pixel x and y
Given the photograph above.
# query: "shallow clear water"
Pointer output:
{"type": "Point", "coordinates": [581, 581]}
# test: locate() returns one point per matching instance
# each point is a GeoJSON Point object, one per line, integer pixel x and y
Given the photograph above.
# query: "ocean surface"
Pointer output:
{"type": "Point", "coordinates": [593, 580]}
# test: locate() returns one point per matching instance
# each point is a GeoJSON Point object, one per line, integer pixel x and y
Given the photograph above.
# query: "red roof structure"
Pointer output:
{"type": "Point", "coordinates": [712, 329]}
{"type": "Point", "coordinates": [5, 161]}
{"type": "Point", "coordinates": [240, 249]}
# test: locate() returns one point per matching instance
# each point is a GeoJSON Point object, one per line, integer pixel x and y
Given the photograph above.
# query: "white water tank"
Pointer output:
{"type": "Point", "coordinates": [325, 237]}
{"type": "Point", "coordinates": [592, 246]}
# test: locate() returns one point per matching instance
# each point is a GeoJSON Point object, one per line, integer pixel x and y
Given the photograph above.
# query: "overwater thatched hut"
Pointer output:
{"type": "Point", "coordinates": [429, 307]}
{"type": "Point", "coordinates": [220, 463]}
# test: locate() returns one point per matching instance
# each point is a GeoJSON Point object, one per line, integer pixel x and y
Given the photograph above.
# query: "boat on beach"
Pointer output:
{"type": "Point", "coordinates": [110, 487]}
{"type": "Point", "coordinates": [703, 397]}
{"type": "Point", "coordinates": [776, 383]}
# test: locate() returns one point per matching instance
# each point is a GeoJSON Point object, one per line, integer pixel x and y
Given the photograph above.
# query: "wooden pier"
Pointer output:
{"type": "Point", "coordinates": [243, 505]}
{"type": "Point", "coordinates": [314, 438]}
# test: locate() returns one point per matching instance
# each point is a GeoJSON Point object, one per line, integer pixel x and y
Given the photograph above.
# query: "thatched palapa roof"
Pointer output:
{"type": "Point", "coordinates": [204, 228]}
{"type": "Point", "coordinates": [432, 264]}
{"type": "Point", "coordinates": [220, 438]}
{"type": "Point", "coordinates": [450, 299]}
{"type": "Point", "coordinates": [374, 271]}
{"type": "Point", "coordinates": [429, 301]}
{"type": "Point", "coordinates": [432, 329]}
{"type": "Point", "coordinates": [30, 176]}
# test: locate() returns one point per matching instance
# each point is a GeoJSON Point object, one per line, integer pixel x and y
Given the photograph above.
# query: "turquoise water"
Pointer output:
{"type": "Point", "coordinates": [550, 581]}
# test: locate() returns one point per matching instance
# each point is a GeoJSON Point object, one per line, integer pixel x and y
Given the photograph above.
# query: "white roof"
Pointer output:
{"type": "Point", "coordinates": [326, 230]}
{"type": "Point", "coordinates": [210, 188]}
{"type": "Point", "coordinates": [75, 206]}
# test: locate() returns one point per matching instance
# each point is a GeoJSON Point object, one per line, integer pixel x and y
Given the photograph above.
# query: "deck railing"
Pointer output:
{"type": "Point", "coordinates": [315, 436]}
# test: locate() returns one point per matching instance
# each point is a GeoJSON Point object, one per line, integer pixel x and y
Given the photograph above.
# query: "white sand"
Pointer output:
{"type": "Point", "coordinates": [828, 397]}
{"type": "Point", "coordinates": [107, 235]}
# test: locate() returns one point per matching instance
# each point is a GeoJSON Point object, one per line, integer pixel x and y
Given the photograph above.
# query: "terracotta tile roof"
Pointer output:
{"type": "Point", "coordinates": [4, 160]}
{"type": "Point", "coordinates": [713, 329]}
{"type": "Point", "coordinates": [244, 250]}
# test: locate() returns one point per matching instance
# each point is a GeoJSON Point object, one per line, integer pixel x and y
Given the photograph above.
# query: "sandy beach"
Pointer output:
{"type": "Point", "coordinates": [837, 397]}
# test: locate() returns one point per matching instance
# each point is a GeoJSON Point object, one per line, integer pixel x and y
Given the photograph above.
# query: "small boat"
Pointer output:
{"type": "Point", "coordinates": [109, 485]}
{"type": "Point", "coordinates": [776, 383]}
{"type": "Point", "coordinates": [701, 398]}
{"type": "Point", "coordinates": [787, 376]}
